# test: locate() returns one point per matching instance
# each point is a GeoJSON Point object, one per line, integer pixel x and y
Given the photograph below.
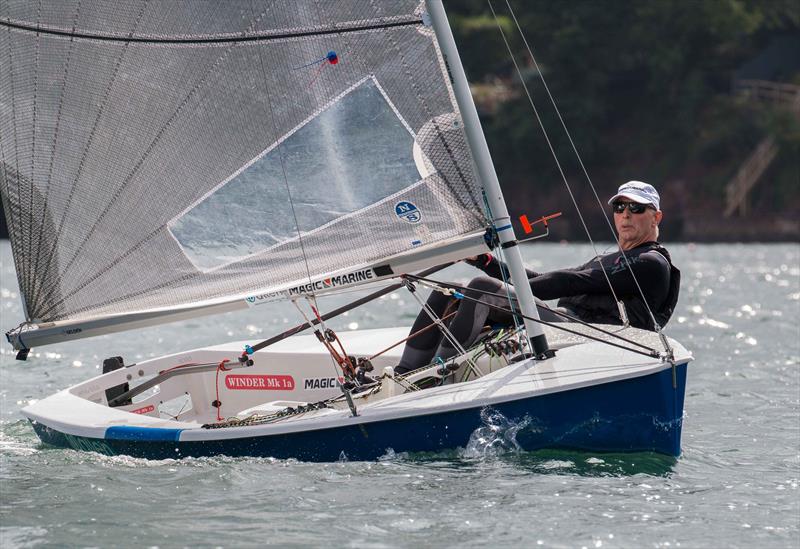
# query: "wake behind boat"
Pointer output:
{"type": "Point", "coordinates": [166, 163]}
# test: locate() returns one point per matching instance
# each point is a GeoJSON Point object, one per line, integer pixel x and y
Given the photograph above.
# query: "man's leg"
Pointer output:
{"type": "Point", "coordinates": [420, 350]}
{"type": "Point", "coordinates": [546, 312]}
{"type": "Point", "coordinates": [472, 315]}
{"type": "Point", "coordinates": [465, 326]}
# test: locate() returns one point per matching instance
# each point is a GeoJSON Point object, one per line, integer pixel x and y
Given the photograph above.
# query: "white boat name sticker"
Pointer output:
{"type": "Point", "coordinates": [318, 285]}
{"type": "Point", "coordinates": [252, 382]}
{"type": "Point", "coordinates": [408, 212]}
{"type": "Point", "coordinates": [144, 409]}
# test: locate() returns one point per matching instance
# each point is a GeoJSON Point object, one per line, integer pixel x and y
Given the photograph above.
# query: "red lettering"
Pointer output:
{"type": "Point", "coordinates": [144, 409]}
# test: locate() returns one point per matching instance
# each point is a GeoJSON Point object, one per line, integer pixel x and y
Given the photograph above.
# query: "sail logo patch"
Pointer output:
{"type": "Point", "coordinates": [408, 212]}
{"type": "Point", "coordinates": [252, 382]}
{"type": "Point", "coordinates": [364, 275]}
{"type": "Point", "coordinates": [332, 282]}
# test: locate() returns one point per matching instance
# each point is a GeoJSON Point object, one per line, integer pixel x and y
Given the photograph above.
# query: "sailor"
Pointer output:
{"type": "Point", "coordinates": [640, 266]}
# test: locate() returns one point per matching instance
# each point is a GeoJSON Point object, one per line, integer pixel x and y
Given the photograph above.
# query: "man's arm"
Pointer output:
{"type": "Point", "coordinates": [651, 270]}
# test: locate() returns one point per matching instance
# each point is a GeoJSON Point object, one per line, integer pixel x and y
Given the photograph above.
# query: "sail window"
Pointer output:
{"type": "Point", "coordinates": [355, 152]}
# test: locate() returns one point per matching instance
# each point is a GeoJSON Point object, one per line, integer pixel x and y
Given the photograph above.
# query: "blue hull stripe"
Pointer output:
{"type": "Point", "coordinates": [125, 432]}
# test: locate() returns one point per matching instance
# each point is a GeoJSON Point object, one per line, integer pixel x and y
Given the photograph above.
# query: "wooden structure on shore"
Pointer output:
{"type": "Point", "coordinates": [778, 94]}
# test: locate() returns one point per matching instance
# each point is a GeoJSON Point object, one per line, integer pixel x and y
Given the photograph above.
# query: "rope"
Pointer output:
{"type": "Point", "coordinates": [411, 336]}
{"type": "Point", "coordinates": [321, 337]}
{"type": "Point", "coordinates": [445, 330]}
{"type": "Point", "coordinates": [220, 367]}
{"type": "Point", "coordinates": [580, 161]}
{"type": "Point", "coordinates": [343, 360]}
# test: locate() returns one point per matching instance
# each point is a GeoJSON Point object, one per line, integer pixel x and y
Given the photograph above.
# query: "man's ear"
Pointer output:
{"type": "Point", "coordinates": [659, 215]}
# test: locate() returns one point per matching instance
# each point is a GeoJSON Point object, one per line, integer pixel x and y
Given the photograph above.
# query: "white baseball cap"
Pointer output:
{"type": "Point", "coordinates": [638, 191]}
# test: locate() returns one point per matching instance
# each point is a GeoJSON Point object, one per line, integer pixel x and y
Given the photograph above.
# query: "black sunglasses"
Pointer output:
{"type": "Point", "coordinates": [633, 207]}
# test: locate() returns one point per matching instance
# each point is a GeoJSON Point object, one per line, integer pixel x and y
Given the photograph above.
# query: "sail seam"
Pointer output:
{"type": "Point", "coordinates": [30, 275]}
{"type": "Point", "coordinates": [81, 165]}
{"type": "Point", "coordinates": [209, 40]}
{"type": "Point", "coordinates": [38, 281]}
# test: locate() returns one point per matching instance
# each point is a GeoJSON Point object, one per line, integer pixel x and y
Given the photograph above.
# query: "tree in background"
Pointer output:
{"type": "Point", "coordinates": [645, 88]}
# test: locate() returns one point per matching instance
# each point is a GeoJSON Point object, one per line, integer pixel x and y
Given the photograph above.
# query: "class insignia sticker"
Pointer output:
{"type": "Point", "coordinates": [408, 212]}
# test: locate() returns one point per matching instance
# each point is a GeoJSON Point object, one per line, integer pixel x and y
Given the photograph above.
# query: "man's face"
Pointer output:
{"type": "Point", "coordinates": [635, 228]}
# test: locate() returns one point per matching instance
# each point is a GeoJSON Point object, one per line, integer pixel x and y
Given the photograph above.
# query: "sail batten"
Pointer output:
{"type": "Point", "coordinates": [202, 39]}
{"type": "Point", "coordinates": [162, 155]}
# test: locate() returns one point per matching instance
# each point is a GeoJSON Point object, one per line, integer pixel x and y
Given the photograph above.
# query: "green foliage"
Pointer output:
{"type": "Point", "coordinates": [489, 54]}
{"type": "Point", "coordinates": [643, 85]}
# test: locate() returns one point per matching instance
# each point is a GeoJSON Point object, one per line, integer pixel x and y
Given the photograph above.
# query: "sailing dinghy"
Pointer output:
{"type": "Point", "coordinates": [160, 161]}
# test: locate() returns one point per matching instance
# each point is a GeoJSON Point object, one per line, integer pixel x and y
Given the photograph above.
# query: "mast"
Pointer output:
{"type": "Point", "coordinates": [488, 176]}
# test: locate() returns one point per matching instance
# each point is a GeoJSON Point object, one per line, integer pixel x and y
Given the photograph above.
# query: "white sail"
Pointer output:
{"type": "Point", "coordinates": [163, 156]}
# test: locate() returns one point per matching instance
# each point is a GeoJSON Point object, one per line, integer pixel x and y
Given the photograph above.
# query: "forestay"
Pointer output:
{"type": "Point", "coordinates": [166, 155]}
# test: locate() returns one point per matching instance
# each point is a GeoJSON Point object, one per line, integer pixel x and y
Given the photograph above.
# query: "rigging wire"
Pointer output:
{"type": "Point", "coordinates": [345, 361]}
{"type": "Point", "coordinates": [279, 146]}
{"type": "Point", "coordinates": [449, 286]}
{"type": "Point", "coordinates": [580, 161]}
{"type": "Point", "coordinates": [653, 354]}
{"type": "Point", "coordinates": [550, 146]}
{"type": "Point", "coordinates": [321, 335]}
{"type": "Point", "coordinates": [506, 283]}
{"type": "Point", "coordinates": [444, 328]}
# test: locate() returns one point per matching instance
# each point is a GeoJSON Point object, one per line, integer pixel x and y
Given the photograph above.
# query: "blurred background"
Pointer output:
{"type": "Point", "coordinates": [700, 98]}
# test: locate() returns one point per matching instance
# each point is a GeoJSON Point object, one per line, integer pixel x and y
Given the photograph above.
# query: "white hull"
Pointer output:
{"type": "Point", "coordinates": [299, 371]}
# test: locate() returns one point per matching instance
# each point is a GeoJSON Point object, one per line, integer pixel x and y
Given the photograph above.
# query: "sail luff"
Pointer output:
{"type": "Point", "coordinates": [13, 208]}
{"type": "Point", "coordinates": [37, 284]}
{"type": "Point", "coordinates": [488, 176]}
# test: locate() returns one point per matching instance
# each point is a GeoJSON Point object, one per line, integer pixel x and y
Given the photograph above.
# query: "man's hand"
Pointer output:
{"type": "Point", "coordinates": [479, 260]}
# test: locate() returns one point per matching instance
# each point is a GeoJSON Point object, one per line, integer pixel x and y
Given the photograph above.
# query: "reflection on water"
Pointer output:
{"type": "Point", "coordinates": [736, 484]}
{"type": "Point", "coordinates": [551, 462]}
